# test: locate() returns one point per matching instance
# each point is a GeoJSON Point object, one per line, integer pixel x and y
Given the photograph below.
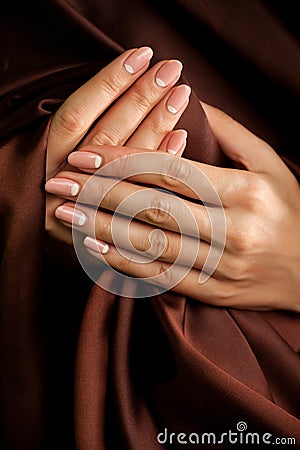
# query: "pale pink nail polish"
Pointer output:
{"type": "Point", "coordinates": [178, 98]}
{"type": "Point", "coordinates": [70, 215]}
{"type": "Point", "coordinates": [62, 186]}
{"type": "Point", "coordinates": [138, 59]}
{"type": "Point", "coordinates": [177, 142]}
{"type": "Point", "coordinates": [168, 72]}
{"type": "Point", "coordinates": [96, 245]}
{"type": "Point", "coordinates": [85, 160]}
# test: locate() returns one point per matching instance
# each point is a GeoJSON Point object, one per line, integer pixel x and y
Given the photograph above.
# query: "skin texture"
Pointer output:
{"type": "Point", "coordinates": [260, 263]}
{"type": "Point", "coordinates": [140, 118]}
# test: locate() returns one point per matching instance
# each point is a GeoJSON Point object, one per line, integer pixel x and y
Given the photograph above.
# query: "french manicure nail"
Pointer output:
{"type": "Point", "coordinates": [96, 245]}
{"type": "Point", "coordinates": [168, 72]}
{"type": "Point", "coordinates": [138, 59]}
{"type": "Point", "coordinates": [70, 215]}
{"type": "Point", "coordinates": [62, 186]}
{"type": "Point", "coordinates": [85, 160]}
{"type": "Point", "coordinates": [177, 142]}
{"type": "Point", "coordinates": [178, 98]}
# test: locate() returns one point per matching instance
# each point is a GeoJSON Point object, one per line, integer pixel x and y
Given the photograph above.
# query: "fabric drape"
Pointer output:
{"type": "Point", "coordinates": [80, 367]}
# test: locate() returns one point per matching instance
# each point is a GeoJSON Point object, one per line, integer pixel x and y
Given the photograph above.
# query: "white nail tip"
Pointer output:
{"type": "Point", "coordinates": [171, 109]}
{"type": "Point", "coordinates": [172, 152]}
{"type": "Point", "coordinates": [74, 189]}
{"type": "Point", "coordinates": [160, 82]}
{"type": "Point", "coordinates": [98, 161]}
{"type": "Point", "coordinates": [95, 246]}
{"type": "Point", "coordinates": [128, 68]}
{"type": "Point", "coordinates": [105, 249]}
{"type": "Point", "coordinates": [81, 219]}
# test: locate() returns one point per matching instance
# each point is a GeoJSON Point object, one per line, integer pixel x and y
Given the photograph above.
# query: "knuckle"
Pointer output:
{"type": "Point", "coordinates": [242, 242]}
{"type": "Point", "coordinates": [176, 172]}
{"type": "Point", "coordinates": [164, 274]}
{"type": "Point", "coordinates": [94, 192]}
{"type": "Point", "coordinates": [103, 227]}
{"type": "Point", "coordinates": [122, 165]}
{"type": "Point", "coordinates": [110, 86]}
{"type": "Point", "coordinates": [257, 193]}
{"type": "Point", "coordinates": [105, 137]}
{"type": "Point", "coordinates": [69, 119]}
{"type": "Point", "coordinates": [158, 127]}
{"type": "Point", "coordinates": [159, 243]}
{"type": "Point", "coordinates": [248, 240]}
{"type": "Point", "coordinates": [236, 269]}
{"type": "Point", "coordinates": [158, 211]}
{"type": "Point", "coordinates": [142, 99]}
{"type": "Point", "coordinates": [226, 293]}
{"type": "Point", "coordinates": [125, 263]}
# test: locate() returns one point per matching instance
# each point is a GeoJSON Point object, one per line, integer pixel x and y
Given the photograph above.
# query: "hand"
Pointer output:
{"type": "Point", "coordinates": [148, 107]}
{"type": "Point", "coordinates": [259, 268]}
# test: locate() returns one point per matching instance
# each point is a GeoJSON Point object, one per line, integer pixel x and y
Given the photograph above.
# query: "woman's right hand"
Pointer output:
{"type": "Point", "coordinates": [122, 104]}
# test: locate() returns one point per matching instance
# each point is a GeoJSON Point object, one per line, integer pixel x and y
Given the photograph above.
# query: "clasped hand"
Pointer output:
{"type": "Point", "coordinates": [259, 267]}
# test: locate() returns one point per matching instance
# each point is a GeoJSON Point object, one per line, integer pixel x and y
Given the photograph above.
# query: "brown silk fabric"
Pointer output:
{"type": "Point", "coordinates": [80, 367]}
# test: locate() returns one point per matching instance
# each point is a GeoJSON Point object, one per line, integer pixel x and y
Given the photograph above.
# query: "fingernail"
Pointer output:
{"type": "Point", "coordinates": [62, 186]}
{"type": "Point", "coordinates": [138, 59]}
{"type": "Point", "coordinates": [96, 245]}
{"type": "Point", "coordinates": [85, 160]}
{"type": "Point", "coordinates": [177, 142]}
{"type": "Point", "coordinates": [70, 215]}
{"type": "Point", "coordinates": [178, 98]}
{"type": "Point", "coordinates": [168, 72]}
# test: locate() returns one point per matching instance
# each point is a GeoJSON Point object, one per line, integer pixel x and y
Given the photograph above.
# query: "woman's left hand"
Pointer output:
{"type": "Point", "coordinates": [259, 268]}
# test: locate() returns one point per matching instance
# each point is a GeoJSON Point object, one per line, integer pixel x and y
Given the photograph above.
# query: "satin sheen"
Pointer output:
{"type": "Point", "coordinates": [79, 367]}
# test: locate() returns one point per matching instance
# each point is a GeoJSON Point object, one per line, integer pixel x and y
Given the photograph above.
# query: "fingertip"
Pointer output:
{"type": "Point", "coordinates": [85, 160]}
{"type": "Point", "coordinates": [176, 142]}
{"type": "Point", "coordinates": [138, 59]}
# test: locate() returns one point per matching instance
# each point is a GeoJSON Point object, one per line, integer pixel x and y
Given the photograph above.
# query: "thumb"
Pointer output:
{"type": "Point", "coordinates": [240, 145]}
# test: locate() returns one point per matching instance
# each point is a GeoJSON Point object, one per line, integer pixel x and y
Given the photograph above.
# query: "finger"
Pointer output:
{"type": "Point", "coordinates": [118, 124]}
{"type": "Point", "coordinates": [159, 273]}
{"type": "Point", "coordinates": [242, 146]}
{"type": "Point", "coordinates": [192, 179]}
{"type": "Point", "coordinates": [91, 157]}
{"type": "Point", "coordinates": [174, 142]}
{"type": "Point", "coordinates": [135, 236]}
{"type": "Point", "coordinates": [161, 119]}
{"type": "Point", "coordinates": [86, 104]}
{"type": "Point", "coordinates": [149, 205]}
{"type": "Point", "coordinates": [53, 226]}
{"type": "Point", "coordinates": [173, 277]}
